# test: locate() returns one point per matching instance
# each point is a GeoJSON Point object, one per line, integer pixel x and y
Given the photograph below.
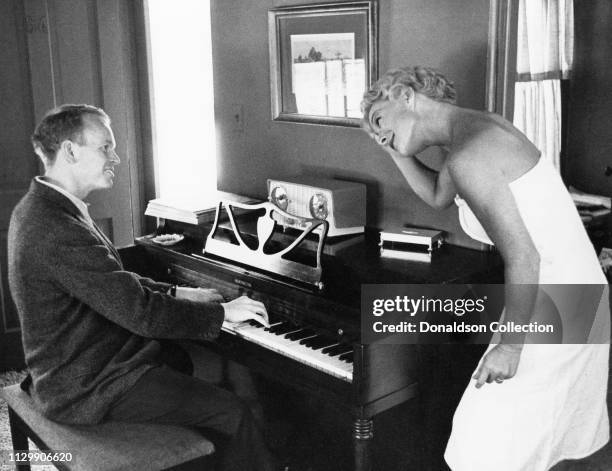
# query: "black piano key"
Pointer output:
{"type": "Point", "coordinates": [284, 328]}
{"type": "Point", "coordinates": [333, 350]}
{"type": "Point", "coordinates": [273, 318]}
{"type": "Point", "coordinates": [300, 334]}
{"type": "Point", "coordinates": [280, 327]}
{"type": "Point", "coordinates": [293, 330]}
{"type": "Point", "coordinates": [348, 356]}
{"type": "Point", "coordinates": [331, 347]}
{"type": "Point", "coordinates": [318, 342]}
{"type": "Point", "coordinates": [272, 325]}
{"type": "Point", "coordinates": [337, 350]}
{"type": "Point", "coordinates": [308, 341]}
{"type": "Point", "coordinates": [254, 323]}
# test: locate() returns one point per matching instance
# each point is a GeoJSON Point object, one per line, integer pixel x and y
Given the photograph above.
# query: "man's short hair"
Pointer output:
{"type": "Point", "coordinates": [59, 124]}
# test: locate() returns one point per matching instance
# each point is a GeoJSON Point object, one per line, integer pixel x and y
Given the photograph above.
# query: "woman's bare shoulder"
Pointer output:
{"type": "Point", "coordinates": [490, 145]}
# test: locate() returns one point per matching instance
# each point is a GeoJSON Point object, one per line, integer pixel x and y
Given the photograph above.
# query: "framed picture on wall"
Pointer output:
{"type": "Point", "coordinates": [322, 58]}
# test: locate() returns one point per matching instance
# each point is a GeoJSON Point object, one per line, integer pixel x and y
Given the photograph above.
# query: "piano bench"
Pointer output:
{"type": "Point", "coordinates": [111, 446]}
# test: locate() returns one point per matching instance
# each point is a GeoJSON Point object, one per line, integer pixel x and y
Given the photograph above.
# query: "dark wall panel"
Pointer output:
{"type": "Point", "coordinates": [589, 140]}
{"type": "Point", "coordinates": [17, 162]}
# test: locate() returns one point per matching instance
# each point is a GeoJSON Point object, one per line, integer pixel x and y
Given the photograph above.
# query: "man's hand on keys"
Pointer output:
{"type": "Point", "coordinates": [243, 309]}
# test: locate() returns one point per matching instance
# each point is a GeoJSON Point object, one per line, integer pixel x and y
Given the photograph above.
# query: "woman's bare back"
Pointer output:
{"type": "Point", "coordinates": [506, 147]}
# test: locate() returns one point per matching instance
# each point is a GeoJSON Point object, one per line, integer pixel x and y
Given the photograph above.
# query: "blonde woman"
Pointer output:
{"type": "Point", "coordinates": [533, 405]}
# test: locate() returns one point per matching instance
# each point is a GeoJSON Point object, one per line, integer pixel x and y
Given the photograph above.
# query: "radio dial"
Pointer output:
{"type": "Point", "coordinates": [318, 206]}
{"type": "Point", "coordinates": [279, 197]}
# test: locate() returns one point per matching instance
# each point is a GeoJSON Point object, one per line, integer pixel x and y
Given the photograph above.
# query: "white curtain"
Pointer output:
{"type": "Point", "coordinates": [537, 112]}
{"type": "Point", "coordinates": [545, 41]}
{"type": "Point", "coordinates": [545, 45]}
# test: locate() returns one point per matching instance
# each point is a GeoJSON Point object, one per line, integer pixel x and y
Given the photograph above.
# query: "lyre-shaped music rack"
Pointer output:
{"type": "Point", "coordinates": [272, 262]}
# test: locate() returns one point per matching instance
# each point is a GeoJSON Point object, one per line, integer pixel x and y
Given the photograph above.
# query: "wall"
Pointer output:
{"type": "Point", "coordinates": [17, 163]}
{"type": "Point", "coordinates": [589, 141]}
{"type": "Point", "coordinates": [446, 34]}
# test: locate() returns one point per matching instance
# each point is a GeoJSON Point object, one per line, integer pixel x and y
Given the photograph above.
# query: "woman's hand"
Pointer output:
{"type": "Point", "coordinates": [435, 188]}
{"type": "Point", "coordinates": [243, 309]}
{"type": "Point", "coordinates": [202, 295]}
{"type": "Point", "coordinates": [499, 364]}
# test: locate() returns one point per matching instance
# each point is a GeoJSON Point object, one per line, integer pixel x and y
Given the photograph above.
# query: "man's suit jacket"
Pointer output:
{"type": "Point", "coordinates": [88, 326]}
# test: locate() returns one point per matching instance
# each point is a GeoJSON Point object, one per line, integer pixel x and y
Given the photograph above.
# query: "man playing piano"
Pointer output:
{"type": "Point", "coordinates": [89, 327]}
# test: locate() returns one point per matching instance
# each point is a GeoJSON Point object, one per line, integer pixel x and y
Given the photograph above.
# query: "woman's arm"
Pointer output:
{"type": "Point", "coordinates": [435, 188]}
{"type": "Point", "coordinates": [486, 190]}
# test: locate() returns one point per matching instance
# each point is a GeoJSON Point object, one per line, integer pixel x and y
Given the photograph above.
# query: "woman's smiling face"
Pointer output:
{"type": "Point", "coordinates": [392, 121]}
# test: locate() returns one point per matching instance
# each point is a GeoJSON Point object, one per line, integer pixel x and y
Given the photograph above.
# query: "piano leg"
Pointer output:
{"type": "Point", "coordinates": [363, 432]}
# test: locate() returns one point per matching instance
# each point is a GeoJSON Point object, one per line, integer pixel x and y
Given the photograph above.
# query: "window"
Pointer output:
{"type": "Point", "coordinates": [182, 98]}
{"type": "Point", "coordinates": [537, 113]}
{"type": "Point", "coordinates": [545, 42]}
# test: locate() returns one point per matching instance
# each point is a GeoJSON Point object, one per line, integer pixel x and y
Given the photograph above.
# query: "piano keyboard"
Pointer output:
{"type": "Point", "coordinates": [301, 344]}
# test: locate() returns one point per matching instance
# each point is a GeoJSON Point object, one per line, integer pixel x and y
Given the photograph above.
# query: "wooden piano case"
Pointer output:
{"type": "Point", "coordinates": [384, 376]}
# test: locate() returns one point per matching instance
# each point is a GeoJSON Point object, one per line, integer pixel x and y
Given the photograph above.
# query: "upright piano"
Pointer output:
{"type": "Point", "coordinates": [314, 341]}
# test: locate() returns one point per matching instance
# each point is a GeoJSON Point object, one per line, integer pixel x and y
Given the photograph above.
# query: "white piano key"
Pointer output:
{"type": "Point", "coordinates": [292, 349]}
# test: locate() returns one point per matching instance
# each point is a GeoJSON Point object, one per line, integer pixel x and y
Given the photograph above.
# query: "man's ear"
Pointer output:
{"type": "Point", "coordinates": [67, 148]}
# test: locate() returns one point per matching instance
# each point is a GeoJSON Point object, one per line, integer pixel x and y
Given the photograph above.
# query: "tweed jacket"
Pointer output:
{"type": "Point", "coordinates": [88, 326]}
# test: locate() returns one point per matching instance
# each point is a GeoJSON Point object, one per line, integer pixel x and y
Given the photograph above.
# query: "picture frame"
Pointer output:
{"type": "Point", "coordinates": [323, 57]}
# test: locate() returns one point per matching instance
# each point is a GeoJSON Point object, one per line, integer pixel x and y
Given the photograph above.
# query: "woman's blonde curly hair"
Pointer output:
{"type": "Point", "coordinates": [424, 80]}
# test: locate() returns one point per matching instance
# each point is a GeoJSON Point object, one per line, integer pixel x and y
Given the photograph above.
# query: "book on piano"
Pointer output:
{"type": "Point", "coordinates": [192, 210]}
{"type": "Point", "coordinates": [409, 255]}
{"type": "Point", "coordinates": [411, 239]}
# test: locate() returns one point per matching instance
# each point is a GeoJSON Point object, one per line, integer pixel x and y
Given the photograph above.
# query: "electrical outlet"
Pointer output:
{"type": "Point", "coordinates": [237, 117]}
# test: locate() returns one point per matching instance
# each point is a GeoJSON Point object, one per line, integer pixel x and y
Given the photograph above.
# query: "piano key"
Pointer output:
{"type": "Point", "coordinates": [283, 328]}
{"type": "Point", "coordinates": [284, 332]}
{"type": "Point", "coordinates": [337, 350]}
{"type": "Point", "coordinates": [309, 340]}
{"type": "Point", "coordinates": [272, 324]}
{"type": "Point", "coordinates": [318, 342]}
{"type": "Point", "coordinates": [300, 334]}
{"type": "Point", "coordinates": [348, 356]}
{"type": "Point", "coordinates": [293, 330]}
{"type": "Point", "coordinates": [293, 349]}
{"type": "Point", "coordinates": [330, 347]}
{"type": "Point", "coordinates": [274, 319]}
